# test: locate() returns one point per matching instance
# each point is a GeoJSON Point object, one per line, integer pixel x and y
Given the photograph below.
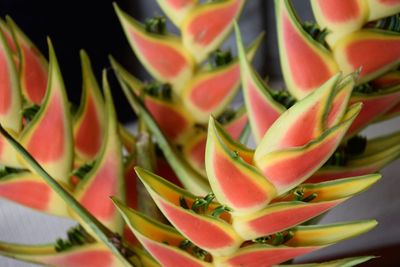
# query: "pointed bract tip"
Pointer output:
{"type": "Point", "coordinates": [83, 54]}
{"type": "Point", "coordinates": [139, 171]}
{"type": "Point", "coordinates": [52, 52]}
{"type": "Point", "coordinates": [10, 20]}
{"type": "Point", "coordinates": [117, 9]}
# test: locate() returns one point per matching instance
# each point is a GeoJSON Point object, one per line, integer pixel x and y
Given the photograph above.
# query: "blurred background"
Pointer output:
{"type": "Point", "coordinates": [93, 26]}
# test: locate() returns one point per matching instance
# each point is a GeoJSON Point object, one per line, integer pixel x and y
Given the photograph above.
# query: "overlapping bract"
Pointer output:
{"type": "Point", "coordinates": [192, 89]}
{"type": "Point", "coordinates": [259, 197]}
{"type": "Point", "coordinates": [61, 142]}
{"type": "Point", "coordinates": [261, 205]}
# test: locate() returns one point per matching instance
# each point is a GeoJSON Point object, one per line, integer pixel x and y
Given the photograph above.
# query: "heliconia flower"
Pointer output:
{"type": "Point", "coordinates": [89, 119]}
{"type": "Point", "coordinates": [306, 64]}
{"type": "Point", "coordinates": [86, 255]}
{"type": "Point", "coordinates": [177, 10]}
{"type": "Point", "coordinates": [240, 206]}
{"type": "Point", "coordinates": [52, 122]}
{"type": "Point", "coordinates": [33, 67]}
{"type": "Point", "coordinates": [163, 241]}
{"type": "Point", "coordinates": [163, 55]}
{"type": "Point", "coordinates": [207, 232]}
{"type": "Point", "coordinates": [207, 26]}
{"type": "Point", "coordinates": [209, 92]}
{"type": "Point", "coordinates": [341, 17]}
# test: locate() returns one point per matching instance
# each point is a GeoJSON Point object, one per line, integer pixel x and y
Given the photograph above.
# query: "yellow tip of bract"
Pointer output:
{"type": "Point", "coordinates": [322, 235]}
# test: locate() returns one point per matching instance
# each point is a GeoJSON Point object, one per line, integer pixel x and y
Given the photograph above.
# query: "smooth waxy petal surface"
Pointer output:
{"type": "Point", "coordinates": [162, 55]}
{"type": "Point", "coordinates": [30, 190]}
{"type": "Point", "coordinates": [209, 92]}
{"type": "Point", "coordinates": [306, 64]}
{"type": "Point", "coordinates": [262, 109]}
{"type": "Point", "coordinates": [207, 26]}
{"type": "Point", "coordinates": [107, 176]}
{"type": "Point", "coordinates": [221, 239]}
{"type": "Point", "coordinates": [89, 120]}
{"type": "Point", "coordinates": [340, 17]}
{"type": "Point", "coordinates": [374, 51]}
{"type": "Point", "coordinates": [33, 66]}
{"type": "Point", "coordinates": [53, 123]}
{"type": "Point", "coordinates": [235, 182]}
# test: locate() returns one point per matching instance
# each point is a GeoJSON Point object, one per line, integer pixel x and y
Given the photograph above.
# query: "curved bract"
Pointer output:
{"type": "Point", "coordinates": [163, 55]}
{"type": "Point", "coordinates": [30, 190]}
{"type": "Point", "coordinates": [167, 113]}
{"type": "Point", "coordinates": [160, 240]}
{"type": "Point", "coordinates": [208, 24]}
{"type": "Point", "coordinates": [304, 240]}
{"type": "Point", "coordinates": [177, 10]}
{"type": "Point", "coordinates": [107, 176]}
{"type": "Point", "coordinates": [382, 8]}
{"type": "Point", "coordinates": [374, 106]}
{"type": "Point", "coordinates": [209, 92]}
{"type": "Point", "coordinates": [33, 66]}
{"type": "Point", "coordinates": [302, 139]}
{"type": "Point", "coordinates": [221, 238]}
{"type": "Point", "coordinates": [188, 176]}
{"type": "Point", "coordinates": [195, 148]}
{"type": "Point", "coordinates": [374, 51]}
{"type": "Point", "coordinates": [262, 109]}
{"type": "Point", "coordinates": [89, 119]}
{"type": "Point", "coordinates": [235, 182]}
{"type": "Point", "coordinates": [305, 63]}
{"type": "Point", "coordinates": [83, 256]}
{"type": "Point", "coordinates": [379, 152]}
{"type": "Point", "coordinates": [340, 17]}
{"type": "Point", "coordinates": [10, 93]}
{"type": "Point", "coordinates": [52, 123]}
{"type": "Point", "coordinates": [10, 101]}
